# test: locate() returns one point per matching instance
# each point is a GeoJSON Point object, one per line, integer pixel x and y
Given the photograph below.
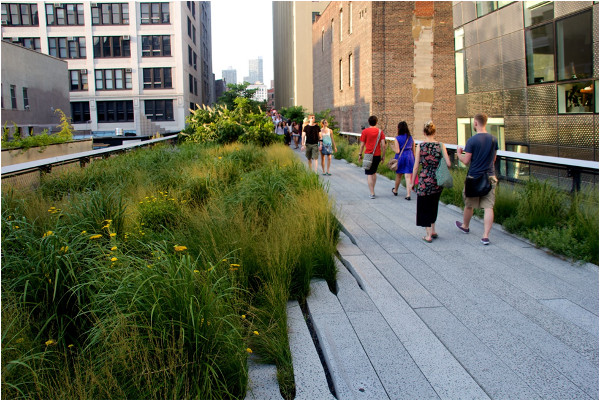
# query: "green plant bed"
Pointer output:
{"type": "Point", "coordinates": [567, 224]}
{"type": "Point", "coordinates": [154, 274]}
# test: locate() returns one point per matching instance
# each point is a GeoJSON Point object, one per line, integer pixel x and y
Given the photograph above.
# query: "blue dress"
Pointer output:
{"type": "Point", "coordinates": [406, 160]}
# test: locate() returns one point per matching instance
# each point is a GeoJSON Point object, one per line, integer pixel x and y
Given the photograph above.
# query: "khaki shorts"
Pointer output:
{"type": "Point", "coordinates": [483, 202]}
{"type": "Point", "coordinates": [312, 151]}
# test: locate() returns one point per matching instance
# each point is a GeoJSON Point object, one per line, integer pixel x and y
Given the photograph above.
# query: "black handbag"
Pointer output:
{"type": "Point", "coordinates": [477, 186]}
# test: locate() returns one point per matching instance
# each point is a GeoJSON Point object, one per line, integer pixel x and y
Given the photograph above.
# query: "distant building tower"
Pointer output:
{"type": "Point", "coordinates": [261, 93]}
{"type": "Point", "coordinates": [256, 70]}
{"type": "Point", "coordinates": [220, 88]}
{"type": "Point", "coordinates": [230, 76]}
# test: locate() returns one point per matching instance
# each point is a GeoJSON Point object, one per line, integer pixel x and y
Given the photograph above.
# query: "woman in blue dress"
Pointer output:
{"type": "Point", "coordinates": [404, 146]}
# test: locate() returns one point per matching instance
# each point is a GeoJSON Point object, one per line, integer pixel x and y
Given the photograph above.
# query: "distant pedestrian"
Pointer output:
{"type": "Point", "coordinates": [480, 155]}
{"type": "Point", "coordinates": [279, 129]}
{"type": "Point", "coordinates": [310, 143]}
{"type": "Point", "coordinates": [369, 144]}
{"type": "Point", "coordinates": [296, 133]}
{"type": "Point", "coordinates": [327, 146]}
{"type": "Point", "coordinates": [404, 147]}
{"type": "Point", "coordinates": [429, 155]}
{"type": "Point", "coordinates": [287, 135]}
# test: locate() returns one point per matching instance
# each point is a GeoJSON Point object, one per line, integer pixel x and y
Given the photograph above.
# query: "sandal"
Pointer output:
{"type": "Point", "coordinates": [434, 236]}
{"type": "Point", "coordinates": [427, 240]}
{"type": "Point", "coordinates": [395, 193]}
{"type": "Point", "coordinates": [407, 197]}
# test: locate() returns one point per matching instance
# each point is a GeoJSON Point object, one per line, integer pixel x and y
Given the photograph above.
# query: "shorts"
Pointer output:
{"type": "Point", "coordinates": [374, 165]}
{"type": "Point", "coordinates": [312, 151]}
{"type": "Point", "coordinates": [326, 150]}
{"type": "Point", "coordinates": [483, 202]}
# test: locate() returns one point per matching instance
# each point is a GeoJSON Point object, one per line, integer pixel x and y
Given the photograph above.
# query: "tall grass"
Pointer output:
{"type": "Point", "coordinates": [160, 284]}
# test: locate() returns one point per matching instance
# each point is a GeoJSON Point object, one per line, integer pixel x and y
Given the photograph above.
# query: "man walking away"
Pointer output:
{"type": "Point", "coordinates": [310, 142]}
{"type": "Point", "coordinates": [368, 139]}
{"type": "Point", "coordinates": [480, 155]}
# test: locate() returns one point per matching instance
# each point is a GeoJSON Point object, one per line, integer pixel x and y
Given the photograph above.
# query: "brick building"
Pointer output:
{"type": "Point", "coordinates": [394, 60]}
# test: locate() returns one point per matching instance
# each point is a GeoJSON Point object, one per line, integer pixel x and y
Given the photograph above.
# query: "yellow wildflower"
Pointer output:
{"type": "Point", "coordinates": [224, 260]}
{"type": "Point", "coordinates": [149, 266]}
{"type": "Point", "coordinates": [64, 249]}
{"type": "Point", "coordinates": [106, 226]}
{"type": "Point", "coordinates": [108, 221]}
{"type": "Point", "coordinates": [233, 269]}
{"type": "Point", "coordinates": [20, 340]}
{"type": "Point", "coordinates": [71, 345]}
{"type": "Point", "coordinates": [114, 248]}
{"type": "Point", "coordinates": [96, 236]}
{"type": "Point", "coordinates": [179, 248]}
{"type": "Point", "coordinates": [113, 259]}
{"type": "Point", "coordinates": [50, 342]}
{"type": "Point", "coordinates": [47, 234]}
{"type": "Point", "coordinates": [113, 234]}
{"type": "Point", "coordinates": [84, 232]}
{"type": "Point", "coordinates": [255, 332]}
{"type": "Point", "coordinates": [248, 350]}
{"type": "Point", "coordinates": [220, 157]}
{"type": "Point", "coordinates": [243, 316]}
{"type": "Point", "coordinates": [234, 265]}
{"type": "Point", "coordinates": [196, 271]}
{"type": "Point", "coordinates": [16, 227]}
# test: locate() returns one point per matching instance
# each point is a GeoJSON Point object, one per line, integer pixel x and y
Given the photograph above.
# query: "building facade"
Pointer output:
{"type": "Point", "coordinates": [292, 52]}
{"type": "Point", "coordinates": [229, 76]}
{"type": "Point", "coordinates": [261, 92]}
{"type": "Point", "coordinates": [389, 59]}
{"type": "Point", "coordinates": [255, 71]}
{"type": "Point", "coordinates": [34, 86]}
{"type": "Point", "coordinates": [133, 66]}
{"type": "Point", "coordinates": [533, 68]}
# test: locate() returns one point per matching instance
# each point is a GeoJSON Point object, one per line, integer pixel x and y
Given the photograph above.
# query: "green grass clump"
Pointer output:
{"type": "Point", "coordinates": [160, 284]}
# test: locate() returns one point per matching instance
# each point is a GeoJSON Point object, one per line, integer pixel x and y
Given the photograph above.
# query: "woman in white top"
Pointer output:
{"type": "Point", "coordinates": [279, 129]}
{"type": "Point", "coordinates": [326, 146]}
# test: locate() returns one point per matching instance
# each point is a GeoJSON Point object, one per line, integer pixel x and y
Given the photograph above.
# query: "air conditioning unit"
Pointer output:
{"type": "Point", "coordinates": [128, 70]}
{"type": "Point", "coordinates": [125, 37]}
{"type": "Point", "coordinates": [59, 5]}
{"type": "Point", "coordinates": [83, 72]}
{"type": "Point", "coordinates": [71, 38]}
{"type": "Point", "coordinates": [94, 4]}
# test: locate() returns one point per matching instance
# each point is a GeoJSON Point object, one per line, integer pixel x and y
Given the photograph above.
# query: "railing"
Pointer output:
{"type": "Point", "coordinates": [46, 165]}
{"type": "Point", "coordinates": [518, 167]}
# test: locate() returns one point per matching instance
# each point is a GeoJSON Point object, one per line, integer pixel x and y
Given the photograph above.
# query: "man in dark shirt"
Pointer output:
{"type": "Point", "coordinates": [310, 142]}
{"type": "Point", "coordinates": [480, 155]}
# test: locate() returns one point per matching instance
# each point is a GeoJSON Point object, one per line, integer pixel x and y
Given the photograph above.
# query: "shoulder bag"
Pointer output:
{"type": "Point", "coordinates": [442, 174]}
{"type": "Point", "coordinates": [368, 158]}
{"type": "Point", "coordinates": [476, 187]}
{"type": "Point", "coordinates": [393, 164]}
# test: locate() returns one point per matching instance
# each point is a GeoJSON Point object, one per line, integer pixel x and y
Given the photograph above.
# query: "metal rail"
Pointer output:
{"type": "Point", "coordinates": [45, 165]}
{"type": "Point", "coordinates": [574, 167]}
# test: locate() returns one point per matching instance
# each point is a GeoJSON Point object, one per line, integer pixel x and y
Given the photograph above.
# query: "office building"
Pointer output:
{"type": "Point", "coordinates": [133, 66]}
{"type": "Point", "coordinates": [255, 70]}
{"type": "Point", "coordinates": [533, 68]}
{"type": "Point", "coordinates": [229, 76]}
{"type": "Point", "coordinates": [389, 59]}
{"type": "Point", "coordinates": [293, 53]}
{"type": "Point", "coordinates": [261, 92]}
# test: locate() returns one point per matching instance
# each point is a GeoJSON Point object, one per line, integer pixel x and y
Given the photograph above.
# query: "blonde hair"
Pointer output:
{"type": "Point", "coordinates": [429, 128]}
{"type": "Point", "coordinates": [323, 121]}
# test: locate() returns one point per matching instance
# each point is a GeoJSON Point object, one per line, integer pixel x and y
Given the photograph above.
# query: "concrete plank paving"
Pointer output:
{"type": "Point", "coordinates": [452, 319]}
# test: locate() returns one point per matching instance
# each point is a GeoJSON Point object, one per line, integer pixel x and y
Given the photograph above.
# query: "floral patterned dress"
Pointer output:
{"type": "Point", "coordinates": [429, 158]}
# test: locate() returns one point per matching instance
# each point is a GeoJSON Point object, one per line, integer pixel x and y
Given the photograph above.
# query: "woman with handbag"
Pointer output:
{"type": "Point", "coordinates": [404, 147]}
{"type": "Point", "coordinates": [429, 155]}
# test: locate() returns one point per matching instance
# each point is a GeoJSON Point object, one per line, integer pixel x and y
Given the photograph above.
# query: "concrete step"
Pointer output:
{"type": "Point", "coordinates": [262, 381]}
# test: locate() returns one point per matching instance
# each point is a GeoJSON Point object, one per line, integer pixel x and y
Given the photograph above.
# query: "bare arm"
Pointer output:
{"type": "Point", "coordinates": [383, 149]}
{"type": "Point", "coordinates": [446, 157]}
{"type": "Point", "coordinates": [361, 149]}
{"type": "Point", "coordinates": [396, 146]}
{"type": "Point", "coordinates": [333, 141]}
{"type": "Point", "coordinates": [416, 167]}
{"type": "Point", "coordinates": [464, 158]}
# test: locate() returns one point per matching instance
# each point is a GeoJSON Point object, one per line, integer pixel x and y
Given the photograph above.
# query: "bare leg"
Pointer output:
{"type": "Point", "coordinates": [371, 179]}
{"type": "Point", "coordinates": [428, 232]}
{"type": "Point", "coordinates": [467, 214]}
{"type": "Point", "coordinates": [488, 219]}
{"type": "Point", "coordinates": [328, 162]}
{"type": "Point", "coordinates": [408, 184]}
{"type": "Point", "coordinates": [309, 164]}
{"type": "Point", "coordinates": [316, 165]}
{"type": "Point", "coordinates": [433, 229]}
{"type": "Point", "coordinates": [323, 162]}
{"type": "Point", "coordinates": [397, 183]}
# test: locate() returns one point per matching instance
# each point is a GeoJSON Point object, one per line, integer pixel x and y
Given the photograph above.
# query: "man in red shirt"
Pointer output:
{"type": "Point", "coordinates": [368, 140]}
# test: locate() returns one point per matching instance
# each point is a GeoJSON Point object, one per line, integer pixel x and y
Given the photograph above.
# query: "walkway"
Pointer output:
{"type": "Point", "coordinates": [453, 319]}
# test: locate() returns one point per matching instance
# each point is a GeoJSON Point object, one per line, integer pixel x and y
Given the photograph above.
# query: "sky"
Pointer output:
{"type": "Point", "coordinates": [242, 30]}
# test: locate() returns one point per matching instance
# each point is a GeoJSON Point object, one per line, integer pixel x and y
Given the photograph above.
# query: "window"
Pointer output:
{"type": "Point", "coordinates": [194, 10]}
{"type": "Point", "coordinates": [195, 61]}
{"type": "Point", "coordinates": [72, 47]}
{"type": "Point", "coordinates": [486, 7]}
{"type": "Point", "coordinates": [156, 46]}
{"type": "Point", "coordinates": [25, 99]}
{"type": "Point", "coordinates": [539, 43]}
{"type": "Point", "coordinates": [80, 112]}
{"type": "Point", "coordinates": [536, 12]}
{"type": "Point", "coordinates": [64, 14]}
{"type": "Point", "coordinates": [29, 43]}
{"type": "Point", "coordinates": [350, 18]}
{"type": "Point", "coordinates": [189, 27]}
{"type": "Point", "coordinates": [116, 79]}
{"type": "Point", "coordinates": [79, 80]}
{"type": "Point", "coordinates": [111, 46]}
{"type": "Point", "coordinates": [110, 14]}
{"type": "Point", "coordinates": [460, 62]}
{"type": "Point", "coordinates": [190, 58]}
{"type": "Point", "coordinates": [341, 23]}
{"type": "Point", "coordinates": [341, 75]}
{"type": "Point", "coordinates": [332, 31]}
{"type": "Point", "coordinates": [155, 13]}
{"type": "Point", "coordinates": [13, 97]}
{"type": "Point", "coordinates": [195, 87]}
{"type": "Point", "coordinates": [322, 40]}
{"type": "Point", "coordinates": [350, 70]}
{"type": "Point", "coordinates": [159, 110]}
{"type": "Point", "coordinates": [14, 14]}
{"type": "Point", "coordinates": [157, 78]}
{"type": "Point", "coordinates": [194, 34]}
{"type": "Point", "coordinates": [191, 83]}
{"type": "Point", "coordinates": [577, 97]}
{"type": "Point", "coordinates": [114, 111]}
{"type": "Point", "coordinates": [574, 47]}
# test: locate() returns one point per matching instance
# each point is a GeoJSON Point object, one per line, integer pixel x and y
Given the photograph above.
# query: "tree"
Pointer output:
{"type": "Point", "coordinates": [294, 113]}
{"type": "Point", "coordinates": [235, 91]}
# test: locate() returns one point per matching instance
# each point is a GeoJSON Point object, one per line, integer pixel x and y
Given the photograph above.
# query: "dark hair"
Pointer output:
{"type": "Point", "coordinates": [373, 121]}
{"type": "Point", "coordinates": [481, 118]}
{"type": "Point", "coordinates": [429, 128]}
{"type": "Point", "coordinates": [403, 128]}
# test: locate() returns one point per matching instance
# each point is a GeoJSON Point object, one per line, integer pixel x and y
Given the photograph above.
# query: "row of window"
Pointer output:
{"type": "Point", "coordinates": [120, 78]}
{"type": "Point", "coordinates": [192, 58]}
{"type": "Point", "coordinates": [122, 111]}
{"type": "Point", "coordinates": [104, 46]}
{"type": "Point", "coordinates": [13, 98]}
{"type": "Point", "coordinates": [17, 14]}
{"type": "Point", "coordinates": [341, 23]}
{"type": "Point", "coordinates": [350, 72]}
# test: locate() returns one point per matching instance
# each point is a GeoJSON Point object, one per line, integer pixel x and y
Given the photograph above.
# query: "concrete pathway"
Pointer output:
{"type": "Point", "coordinates": [453, 319]}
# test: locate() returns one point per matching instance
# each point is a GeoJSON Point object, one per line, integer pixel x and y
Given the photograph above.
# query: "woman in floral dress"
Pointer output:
{"type": "Point", "coordinates": [429, 155]}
